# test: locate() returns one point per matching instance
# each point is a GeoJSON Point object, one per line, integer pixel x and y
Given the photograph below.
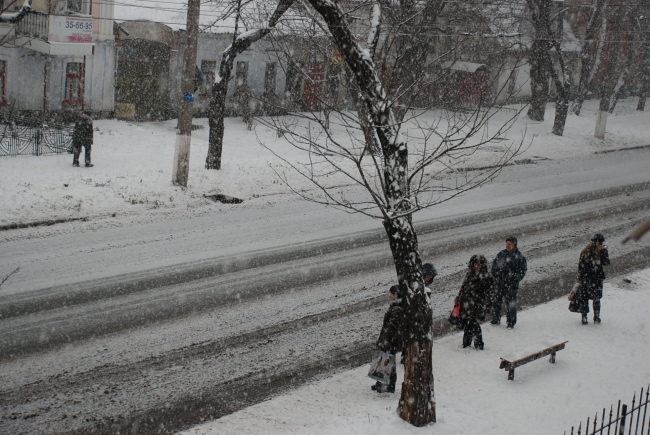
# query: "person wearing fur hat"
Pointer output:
{"type": "Point", "coordinates": [82, 136]}
{"type": "Point", "coordinates": [591, 276]}
{"type": "Point", "coordinates": [475, 297]}
{"type": "Point", "coordinates": [508, 269]}
{"type": "Point", "coordinates": [390, 337]}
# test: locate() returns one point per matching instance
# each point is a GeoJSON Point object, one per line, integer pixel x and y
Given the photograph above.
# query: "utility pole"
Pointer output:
{"type": "Point", "coordinates": [181, 170]}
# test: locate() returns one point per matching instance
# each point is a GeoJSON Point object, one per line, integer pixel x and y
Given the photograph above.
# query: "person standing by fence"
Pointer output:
{"type": "Point", "coordinates": [82, 136]}
{"type": "Point", "coordinates": [591, 276]}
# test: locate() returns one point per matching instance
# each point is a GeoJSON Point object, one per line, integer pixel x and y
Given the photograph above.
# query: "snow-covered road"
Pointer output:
{"type": "Point", "coordinates": [209, 314]}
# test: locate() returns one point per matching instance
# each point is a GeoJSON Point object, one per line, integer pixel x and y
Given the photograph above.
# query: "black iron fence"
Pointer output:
{"type": "Point", "coordinates": [635, 420]}
{"type": "Point", "coordinates": [18, 138]}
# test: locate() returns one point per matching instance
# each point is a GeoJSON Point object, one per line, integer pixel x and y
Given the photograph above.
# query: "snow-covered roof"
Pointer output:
{"type": "Point", "coordinates": [458, 65]}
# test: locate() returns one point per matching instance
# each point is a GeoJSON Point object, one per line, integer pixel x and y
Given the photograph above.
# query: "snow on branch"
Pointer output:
{"type": "Point", "coordinates": [373, 35]}
{"type": "Point", "coordinates": [15, 17]}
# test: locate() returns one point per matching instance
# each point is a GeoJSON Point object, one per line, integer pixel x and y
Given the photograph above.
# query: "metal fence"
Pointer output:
{"type": "Point", "coordinates": [635, 420]}
{"type": "Point", "coordinates": [18, 139]}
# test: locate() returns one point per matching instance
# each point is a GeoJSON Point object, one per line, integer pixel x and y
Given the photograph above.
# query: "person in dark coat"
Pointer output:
{"type": "Point", "coordinates": [475, 297]}
{"type": "Point", "coordinates": [82, 136]}
{"type": "Point", "coordinates": [591, 275]}
{"type": "Point", "coordinates": [508, 269]}
{"type": "Point", "coordinates": [390, 337]}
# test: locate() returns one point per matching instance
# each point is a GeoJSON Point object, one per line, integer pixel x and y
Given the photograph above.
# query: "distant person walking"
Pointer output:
{"type": "Point", "coordinates": [390, 337]}
{"type": "Point", "coordinates": [591, 276]}
{"type": "Point", "coordinates": [82, 136]}
{"type": "Point", "coordinates": [475, 297]}
{"type": "Point", "coordinates": [508, 269]}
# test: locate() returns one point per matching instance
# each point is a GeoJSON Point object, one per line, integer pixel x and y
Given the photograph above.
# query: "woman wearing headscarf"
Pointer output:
{"type": "Point", "coordinates": [591, 276]}
{"type": "Point", "coordinates": [475, 297]}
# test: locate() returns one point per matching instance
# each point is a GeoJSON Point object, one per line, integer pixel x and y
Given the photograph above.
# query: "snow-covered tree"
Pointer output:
{"type": "Point", "coordinates": [241, 42]}
{"type": "Point", "coordinates": [419, 164]}
{"type": "Point", "coordinates": [620, 48]}
{"type": "Point", "coordinates": [14, 17]}
{"type": "Point", "coordinates": [590, 52]}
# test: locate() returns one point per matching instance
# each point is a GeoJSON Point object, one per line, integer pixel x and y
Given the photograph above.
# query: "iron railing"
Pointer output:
{"type": "Point", "coordinates": [35, 25]}
{"type": "Point", "coordinates": [623, 423]}
{"type": "Point", "coordinates": [18, 139]}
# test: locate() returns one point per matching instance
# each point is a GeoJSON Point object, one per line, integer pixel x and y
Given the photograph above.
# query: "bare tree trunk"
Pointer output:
{"type": "Point", "coordinates": [645, 79]}
{"type": "Point", "coordinates": [622, 77]}
{"type": "Point", "coordinates": [560, 74]}
{"type": "Point", "coordinates": [417, 404]}
{"type": "Point", "coordinates": [610, 79]}
{"type": "Point", "coordinates": [587, 59]}
{"type": "Point", "coordinates": [561, 108]}
{"type": "Point", "coordinates": [220, 88]}
{"type": "Point", "coordinates": [539, 59]}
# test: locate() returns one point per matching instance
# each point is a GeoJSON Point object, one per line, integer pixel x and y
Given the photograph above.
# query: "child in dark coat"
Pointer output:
{"type": "Point", "coordinates": [390, 339]}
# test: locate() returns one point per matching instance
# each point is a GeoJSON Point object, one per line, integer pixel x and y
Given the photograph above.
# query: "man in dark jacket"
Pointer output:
{"type": "Point", "coordinates": [390, 338]}
{"type": "Point", "coordinates": [508, 269]}
{"type": "Point", "coordinates": [591, 276]}
{"type": "Point", "coordinates": [82, 136]}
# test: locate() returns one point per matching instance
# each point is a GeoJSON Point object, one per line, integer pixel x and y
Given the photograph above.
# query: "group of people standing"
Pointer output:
{"type": "Point", "coordinates": [485, 289]}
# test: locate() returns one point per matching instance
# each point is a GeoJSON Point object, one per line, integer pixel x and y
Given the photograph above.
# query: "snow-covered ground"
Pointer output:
{"type": "Point", "coordinates": [130, 188]}
{"type": "Point", "coordinates": [133, 165]}
{"type": "Point", "coordinates": [600, 365]}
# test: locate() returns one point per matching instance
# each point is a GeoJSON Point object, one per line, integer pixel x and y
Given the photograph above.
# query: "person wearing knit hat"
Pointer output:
{"type": "Point", "coordinates": [508, 269]}
{"type": "Point", "coordinates": [591, 276]}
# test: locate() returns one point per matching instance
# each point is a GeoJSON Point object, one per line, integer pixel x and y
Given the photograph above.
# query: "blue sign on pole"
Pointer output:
{"type": "Point", "coordinates": [188, 98]}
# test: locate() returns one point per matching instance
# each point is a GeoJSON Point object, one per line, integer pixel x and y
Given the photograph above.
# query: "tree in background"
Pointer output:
{"type": "Point", "coordinates": [620, 51]}
{"type": "Point", "coordinates": [590, 52]}
{"type": "Point", "coordinates": [539, 59]}
{"type": "Point", "coordinates": [240, 43]}
{"type": "Point", "coordinates": [419, 163]}
{"type": "Point", "coordinates": [548, 43]}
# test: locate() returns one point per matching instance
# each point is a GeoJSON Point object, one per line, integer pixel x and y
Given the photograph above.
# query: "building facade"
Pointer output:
{"type": "Point", "coordinates": [59, 58]}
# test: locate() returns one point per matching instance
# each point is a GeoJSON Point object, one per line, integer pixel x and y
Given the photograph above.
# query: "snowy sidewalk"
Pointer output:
{"type": "Point", "coordinates": [600, 365]}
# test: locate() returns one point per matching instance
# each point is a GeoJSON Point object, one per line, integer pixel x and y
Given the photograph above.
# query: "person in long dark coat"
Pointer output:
{"type": "Point", "coordinates": [591, 276]}
{"type": "Point", "coordinates": [82, 136]}
{"type": "Point", "coordinates": [390, 337]}
{"type": "Point", "coordinates": [475, 297]}
{"type": "Point", "coordinates": [508, 269]}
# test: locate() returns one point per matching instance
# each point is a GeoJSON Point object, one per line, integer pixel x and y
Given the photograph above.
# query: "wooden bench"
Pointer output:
{"type": "Point", "coordinates": [517, 359]}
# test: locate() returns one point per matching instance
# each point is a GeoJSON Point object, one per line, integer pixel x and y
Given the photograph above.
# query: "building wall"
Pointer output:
{"type": "Point", "coordinates": [27, 89]}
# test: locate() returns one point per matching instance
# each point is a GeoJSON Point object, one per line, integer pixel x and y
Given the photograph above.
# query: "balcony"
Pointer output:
{"type": "Point", "coordinates": [63, 35]}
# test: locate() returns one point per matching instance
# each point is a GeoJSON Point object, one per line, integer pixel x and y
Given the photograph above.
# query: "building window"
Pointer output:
{"type": "Point", "coordinates": [269, 78]}
{"type": "Point", "coordinates": [241, 75]}
{"type": "Point", "coordinates": [79, 6]}
{"type": "Point", "coordinates": [207, 70]}
{"type": "Point", "coordinates": [74, 83]}
{"type": "Point", "coordinates": [3, 82]}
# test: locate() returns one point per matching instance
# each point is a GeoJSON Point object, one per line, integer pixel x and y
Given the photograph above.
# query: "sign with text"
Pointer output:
{"type": "Point", "coordinates": [75, 29]}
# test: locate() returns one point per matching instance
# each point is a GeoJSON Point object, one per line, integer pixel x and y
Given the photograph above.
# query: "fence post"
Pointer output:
{"type": "Point", "coordinates": [621, 430]}
{"type": "Point", "coordinates": [37, 141]}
